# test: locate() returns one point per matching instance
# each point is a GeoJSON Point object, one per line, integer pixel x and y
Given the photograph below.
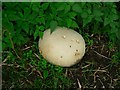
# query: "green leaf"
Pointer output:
{"type": "Point", "coordinates": [53, 25]}
{"type": "Point", "coordinates": [97, 12]}
{"type": "Point", "coordinates": [74, 24]}
{"type": "Point", "coordinates": [25, 27]}
{"type": "Point", "coordinates": [67, 8]}
{"type": "Point", "coordinates": [87, 20]}
{"type": "Point", "coordinates": [98, 19]}
{"type": "Point", "coordinates": [36, 34]}
{"type": "Point", "coordinates": [35, 8]}
{"type": "Point", "coordinates": [45, 6]}
{"type": "Point", "coordinates": [76, 8]}
{"type": "Point", "coordinates": [113, 17]}
{"type": "Point", "coordinates": [41, 34]}
{"type": "Point", "coordinates": [61, 7]}
{"type": "Point", "coordinates": [72, 15]}
{"type": "Point", "coordinates": [84, 15]}
{"type": "Point", "coordinates": [27, 11]}
{"type": "Point", "coordinates": [106, 21]}
{"type": "Point", "coordinates": [45, 73]}
{"type": "Point", "coordinates": [69, 22]}
{"type": "Point", "coordinates": [42, 20]}
{"type": "Point", "coordinates": [13, 17]}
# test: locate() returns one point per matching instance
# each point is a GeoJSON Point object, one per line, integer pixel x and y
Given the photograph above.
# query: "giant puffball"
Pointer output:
{"type": "Point", "coordinates": [64, 47]}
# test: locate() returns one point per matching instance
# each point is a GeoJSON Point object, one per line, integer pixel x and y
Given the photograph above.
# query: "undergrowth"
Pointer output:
{"type": "Point", "coordinates": [24, 23]}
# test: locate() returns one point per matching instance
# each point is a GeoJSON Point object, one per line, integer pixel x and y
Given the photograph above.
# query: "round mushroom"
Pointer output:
{"type": "Point", "coordinates": [64, 47]}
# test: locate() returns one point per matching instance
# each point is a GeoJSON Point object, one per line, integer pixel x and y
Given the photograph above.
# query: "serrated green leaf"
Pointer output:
{"type": "Point", "coordinates": [76, 8]}
{"type": "Point", "coordinates": [45, 6]}
{"type": "Point", "coordinates": [41, 34]}
{"type": "Point", "coordinates": [74, 24]}
{"type": "Point", "coordinates": [84, 15]}
{"type": "Point", "coordinates": [25, 27]}
{"type": "Point", "coordinates": [53, 25]}
{"type": "Point", "coordinates": [106, 21]}
{"type": "Point", "coordinates": [72, 15]}
{"type": "Point", "coordinates": [87, 20]}
{"type": "Point", "coordinates": [45, 73]}
{"type": "Point", "coordinates": [36, 34]}
{"type": "Point", "coordinates": [42, 20]}
{"type": "Point", "coordinates": [67, 8]}
{"type": "Point", "coordinates": [98, 19]}
{"type": "Point", "coordinates": [27, 11]}
{"type": "Point", "coordinates": [35, 8]}
{"type": "Point", "coordinates": [13, 17]}
{"type": "Point", "coordinates": [113, 17]}
{"type": "Point", "coordinates": [69, 22]}
{"type": "Point", "coordinates": [97, 13]}
{"type": "Point", "coordinates": [61, 7]}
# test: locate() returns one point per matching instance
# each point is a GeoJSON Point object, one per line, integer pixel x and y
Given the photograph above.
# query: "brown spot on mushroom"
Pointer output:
{"type": "Point", "coordinates": [77, 54]}
{"type": "Point", "coordinates": [70, 45]}
{"type": "Point", "coordinates": [64, 36]}
{"type": "Point", "coordinates": [61, 56]}
{"type": "Point", "coordinates": [72, 39]}
{"type": "Point", "coordinates": [76, 50]}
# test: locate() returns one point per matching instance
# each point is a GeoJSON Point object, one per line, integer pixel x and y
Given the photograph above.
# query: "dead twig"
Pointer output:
{"type": "Point", "coordinates": [95, 74]}
{"type": "Point", "coordinates": [6, 59]}
{"type": "Point", "coordinates": [86, 66]}
{"type": "Point", "coordinates": [26, 48]}
{"type": "Point", "coordinates": [36, 55]}
{"type": "Point", "coordinates": [79, 84]}
{"type": "Point", "coordinates": [102, 55]}
{"type": "Point", "coordinates": [101, 83]}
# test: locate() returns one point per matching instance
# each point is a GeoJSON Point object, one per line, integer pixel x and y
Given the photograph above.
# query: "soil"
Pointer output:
{"type": "Point", "coordinates": [95, 69]}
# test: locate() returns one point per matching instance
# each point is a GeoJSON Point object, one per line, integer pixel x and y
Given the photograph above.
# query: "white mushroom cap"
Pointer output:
{"type": "Point", "coordinates": [64, 47]}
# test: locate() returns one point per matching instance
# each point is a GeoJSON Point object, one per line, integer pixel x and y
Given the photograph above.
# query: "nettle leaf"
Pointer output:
{"type": "Point", "coordinates": [53, 25]}
{"type": "Point", "coordinates": [45, 73]}
{"type": "Point", "coordinates": [62, 6]}
{"type": "Point", "coordinates": [67, 8]}
{"type": "Point", "coordinates": [38, 31]}
{"type": "Point", "coordinates": [69, 22]}
{"type": "Point", "coordinates": [13, 17]}
{"type": "Point", "coordinates": [113, 17]}
{"type": "Point", "coordinates": [25, 27]}
{"type": "Point", "coordinates": [45, 6]}
{"type": "Point", "coordinates": [98, 19]}
{"type": "Point", "coordinates": [35, 8]}
{"type": "Point", "coordinates": [42, 20]}
{"type": "Point", "coordinates": [36, 34]}
{"type": "Point", "coordinates": [84, 14]}
{"type": "Point", "coordinates": [74, 24]}
{"type": "Point", "coordinates": [27, 11]}
{"type": "Point", "coordinates": [97, 12]}
{"type": "Point", "coordinates": [76, 8]}
{"type": "Point", "coordinates": [72, 15]}
{"type": "Point", "coordinates": [106, 21]}
{"type": "Point", "coordinates": [87, 20]}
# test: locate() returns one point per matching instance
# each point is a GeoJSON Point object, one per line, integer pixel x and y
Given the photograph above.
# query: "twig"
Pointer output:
{"type": "Point", "coordinates": [95, 74]}
{"type": "Point", "coordinates": [101, 83]}
{"type": "Point", "coordinates": [79, 84]}
{"type": "Point", "coordinates": [26, 48]}
{"type": "Point", "coordinates": [6, 59]}
{"type": "Point", "coordinates": [94, 70]}
{"type": "Point", "coordinates": [102, 55]}
{"type": "Point", "coordinates": [86, 66]}
{"type": "Point", "coordinates": [36, 55]}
